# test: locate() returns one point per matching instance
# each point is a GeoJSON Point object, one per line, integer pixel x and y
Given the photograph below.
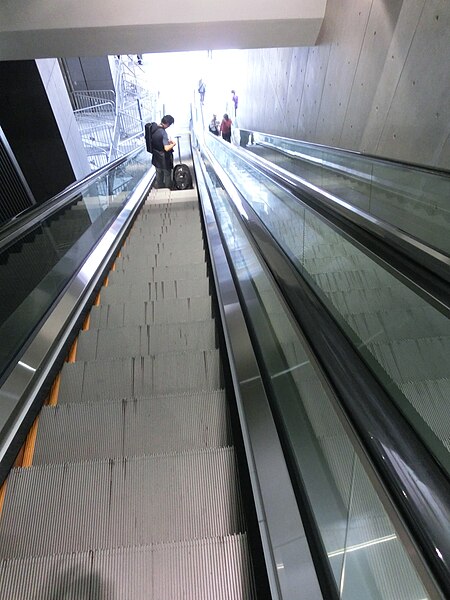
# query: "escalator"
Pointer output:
{"type": "Point", "coordinates": [207, 435]}
{"type": "Point", "coordinates": [136, 446]}
{"type": "Point", "coordinates": [402, 332]}
{"type": "Point", "coordinates": [334, 286]}
{"type": "Point", "coordinates": [410, 197]}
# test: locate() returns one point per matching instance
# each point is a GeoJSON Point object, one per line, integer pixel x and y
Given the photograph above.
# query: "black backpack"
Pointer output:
{"type": "Point", "coordinates": [150, 129]}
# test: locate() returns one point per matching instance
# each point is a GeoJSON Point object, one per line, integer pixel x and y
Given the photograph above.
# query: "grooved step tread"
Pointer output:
{"type": "Point", "coordinates": [165, 373]}
{"type": "Point", "coordinates": [208, 569]}
{"type": "Point", "coordinates": [89, 505]}
{"type": "Point", "coordinates": [160, 290]}
{"type": "Point", "coordinates": [173, 310]}
{"type": "Point", "coordinates": [154, 425]}
{"type": "Point", "coordinates": [143, 340]}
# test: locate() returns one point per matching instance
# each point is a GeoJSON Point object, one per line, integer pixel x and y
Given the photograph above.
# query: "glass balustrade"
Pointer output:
{"type": "Point", "coordinates": [413, 199]}
{"type": "Point", "coordinates": [38, 266]}
{"type": "Point", "coordinates": [365, 554]}
{"type": "Point", "coordinates": [403, 338]}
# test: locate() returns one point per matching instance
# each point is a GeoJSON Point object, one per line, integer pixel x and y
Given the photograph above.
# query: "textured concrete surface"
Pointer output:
{"type": "Point", "coordinates": [378, 81]}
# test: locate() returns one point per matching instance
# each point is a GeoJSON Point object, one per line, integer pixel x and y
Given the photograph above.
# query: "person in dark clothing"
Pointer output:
{"type": "Point", "coordinates": [201, 91]}
{"type": "Point", "coordinates": [225, 128]}
{"type": "Point", "coordinates": [162, 155]}
{"type": "Point", "coordinates": [235, 100]}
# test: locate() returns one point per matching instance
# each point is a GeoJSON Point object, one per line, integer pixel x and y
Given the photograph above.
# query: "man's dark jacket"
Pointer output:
{"type": "Point", "coordinates": [160, 158]}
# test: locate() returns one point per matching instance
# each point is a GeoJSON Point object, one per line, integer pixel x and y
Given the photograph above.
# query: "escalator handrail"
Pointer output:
{"type": "Point", "coordinates": [34, 364]}
{"type": "Point", "coordinates": [413, 486]}
{"type": "Point", "coordinates": [424, 267]}
{"type": "Point", "coordinates": [251, 399]}
{"type": "Point", "coordinates": [29, 218]}
{"type": "Point", "coordinates": [352, 153]}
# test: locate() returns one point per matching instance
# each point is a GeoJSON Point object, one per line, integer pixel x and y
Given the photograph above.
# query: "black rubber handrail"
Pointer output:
{"type": "Point", "coordinates": [410, 481]}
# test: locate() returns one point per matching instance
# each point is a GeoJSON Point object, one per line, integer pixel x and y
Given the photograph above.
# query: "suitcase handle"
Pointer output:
{"type": "Point", "coordinates": [178, 143]}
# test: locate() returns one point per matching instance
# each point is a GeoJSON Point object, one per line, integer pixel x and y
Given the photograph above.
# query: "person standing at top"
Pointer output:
{"type": "Point", "coordinates": [235, 100]}
{"type": "Point", "coordinates": [225, 128]}
{"type": "Point", "coordinates": [162, 153]}
{"type": "Point", "coordinates": [201, 90]}
{"type": "Point", "coordinates": [214, 126]}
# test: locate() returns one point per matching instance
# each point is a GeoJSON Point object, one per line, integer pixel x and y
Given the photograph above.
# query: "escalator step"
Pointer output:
{"type": "Point", "coordinates": [160, 273]}
{"type": "Point", "coordinates": [398, 324]}
{"type": "Point", "coordinates": [213, 568]}
{"type": "Point", "coordinates": [430, 399]}
{"type": "Point", "coordinates": [165, 373]}
{"type": "Point", "coordinates": [122, 502]}
{"type": "Point", "coordinates": [369, 301]}
{"type": "Point", "coordinates": [154, 425]}
{"type": "Point", "coordinates": [159, 290]}
{"type": "Point", "coordinates": [344, 281]}
{"type": "Point", "coordinates": [143, 340]}
{"type": "Point", "coordinates": [336, 264]}
{"type": "Point", "coordinates": [134, 262]}
{"type": "Point", "coordinates": [173, 310]}
{"type": "Point", "coordinates": [414, 360]}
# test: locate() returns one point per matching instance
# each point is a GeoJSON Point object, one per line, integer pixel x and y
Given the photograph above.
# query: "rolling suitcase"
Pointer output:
{"type": "Point", "coordinates": [182, 178]}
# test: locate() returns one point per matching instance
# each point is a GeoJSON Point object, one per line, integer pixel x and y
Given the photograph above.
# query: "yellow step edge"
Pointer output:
{"type": "Point", "coordinates": [2, 495]}
{"type": "Point", "coordinates": [73, 352]}
{"type": "Point", "coordinates": [53, 397]}
{"type": "Point", "coordinates": [30, 444]}
{"type": "Point", "coordinates": [86, 323]}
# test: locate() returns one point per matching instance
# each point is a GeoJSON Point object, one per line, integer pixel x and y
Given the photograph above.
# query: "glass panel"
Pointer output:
{"type": "Point", "coordinates": [364, 552]}
{"type": "Point", "coordinates": [405, 340]}
{"type": "Point", "coordinates": [411, 198]}
{"type": "Point", "coordinates": [38, 266]}
{"type": "Point", "coordinates": [414, 200]}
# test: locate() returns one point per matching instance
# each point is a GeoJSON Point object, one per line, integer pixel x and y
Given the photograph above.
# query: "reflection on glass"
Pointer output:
{"type": "Point", "coordinates": [365, 555]}
{"type": "Point", "coordinates": [411, 198]}
{"type": "Point", "coordinates": [35, 270]}
{"type": "Point", "coordinates": [405, 340]}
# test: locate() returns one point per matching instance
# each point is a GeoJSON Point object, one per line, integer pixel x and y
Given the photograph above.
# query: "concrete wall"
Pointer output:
{"type": "Point", "coordinates": [377, 82]}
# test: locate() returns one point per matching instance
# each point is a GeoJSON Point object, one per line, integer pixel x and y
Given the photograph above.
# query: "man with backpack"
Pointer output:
{"type": "Point", "coordinates": [161, 148]}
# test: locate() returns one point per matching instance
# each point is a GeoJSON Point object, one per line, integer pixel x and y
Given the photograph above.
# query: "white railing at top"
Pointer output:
{"type": "Point", "coordinates": [96, 123]}
{"type": "Point", "coordinates": [86, 98]}
{"type": "Point", "coordinates": [112, 123]}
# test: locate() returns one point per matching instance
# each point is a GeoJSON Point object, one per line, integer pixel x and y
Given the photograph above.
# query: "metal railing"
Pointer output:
{"type": "Point", "coordinates": [88, 98]}
{"type": "Point", "coordinates": [111, 123]}
{"type": "Point", "coordinates": [15, 195]}
{"type": "Point", "coordinates": [96, 125]}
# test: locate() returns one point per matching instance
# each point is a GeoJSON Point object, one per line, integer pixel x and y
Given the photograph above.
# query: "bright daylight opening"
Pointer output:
{"type": "Point", "coordinates": [175, 77]}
